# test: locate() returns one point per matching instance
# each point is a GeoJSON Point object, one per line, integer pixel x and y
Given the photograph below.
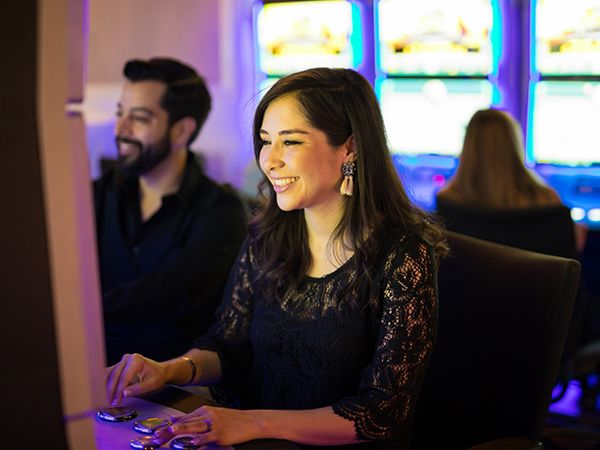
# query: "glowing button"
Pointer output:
{"type": "Point", "coordinates": [577, 214]}
{"type": "Point", "coordinates": [594, 214]}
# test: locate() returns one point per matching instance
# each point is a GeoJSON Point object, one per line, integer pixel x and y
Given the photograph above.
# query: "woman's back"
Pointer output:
{"type": "Point", "coordinates": [545, 228]}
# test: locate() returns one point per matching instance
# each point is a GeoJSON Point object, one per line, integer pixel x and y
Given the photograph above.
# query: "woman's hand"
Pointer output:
{"type": "Point", "coordinates": [222, 426]}
{"type": "Point", "coordinates": [134, 375]}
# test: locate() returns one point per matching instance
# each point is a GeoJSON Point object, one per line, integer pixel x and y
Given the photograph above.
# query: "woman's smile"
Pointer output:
{"type": "Point", "coordinates": [282, 184]}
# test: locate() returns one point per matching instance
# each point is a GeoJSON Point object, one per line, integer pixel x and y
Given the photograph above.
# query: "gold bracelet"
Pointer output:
{"type": "Point", "coordinates": [193, 366]}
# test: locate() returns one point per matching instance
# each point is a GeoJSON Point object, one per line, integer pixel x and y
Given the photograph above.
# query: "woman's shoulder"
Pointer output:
{"type": "Point", "coordinates": [549, 197]}
{"type": "Point", "coordinates": [449, 199]}
{"type": "Point", "coordinates": [407, 263]}
{"type": "Point", "coordinates": [399, 247]}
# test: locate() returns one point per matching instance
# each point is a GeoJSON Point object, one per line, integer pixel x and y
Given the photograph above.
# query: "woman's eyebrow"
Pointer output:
{"type": "Point", "coordinates": [285, 132]}
{"type": "Point", "coordinates": [293, 131]}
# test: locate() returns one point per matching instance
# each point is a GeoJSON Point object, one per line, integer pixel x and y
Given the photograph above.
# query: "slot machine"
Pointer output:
{"type": "Point", "coordinates": [563, 138]}
{"type": "Point", "coordinates": [436, 65]}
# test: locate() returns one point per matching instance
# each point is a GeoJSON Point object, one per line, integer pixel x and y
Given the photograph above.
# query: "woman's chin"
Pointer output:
{"type": "Point", "coordinates": [286, 205]}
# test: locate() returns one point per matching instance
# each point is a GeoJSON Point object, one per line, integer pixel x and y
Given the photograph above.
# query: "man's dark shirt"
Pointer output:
{"type": "Point", "coordinates": [162, 279]}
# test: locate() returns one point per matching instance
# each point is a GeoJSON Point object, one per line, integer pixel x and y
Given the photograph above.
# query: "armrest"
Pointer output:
{"type": "Point", "coordinates": [178, 398]}
{"type": "Point", "coordinates": [509, 443]}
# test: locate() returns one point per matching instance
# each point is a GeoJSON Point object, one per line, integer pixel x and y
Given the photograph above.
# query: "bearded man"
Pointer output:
{"type": "Point", "coordinates": [167, 234]}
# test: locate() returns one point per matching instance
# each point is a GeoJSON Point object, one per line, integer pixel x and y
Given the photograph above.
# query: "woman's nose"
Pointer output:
{"type": "Point", "coordinates": [273, 158]}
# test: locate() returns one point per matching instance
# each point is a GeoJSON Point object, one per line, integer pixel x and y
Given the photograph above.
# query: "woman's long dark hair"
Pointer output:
{"type": "Point", "coordinates": [341, 103]}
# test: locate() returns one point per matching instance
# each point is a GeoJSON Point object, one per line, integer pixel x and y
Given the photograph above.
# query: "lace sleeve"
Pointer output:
{"type": "Point", "coordinates": [383, 407]}
{"type": "Point", "coordinates": [229, 334]}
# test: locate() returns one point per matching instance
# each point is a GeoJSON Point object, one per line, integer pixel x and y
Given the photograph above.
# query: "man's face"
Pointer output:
{"type": "Point", "coordinates": [142, 127]}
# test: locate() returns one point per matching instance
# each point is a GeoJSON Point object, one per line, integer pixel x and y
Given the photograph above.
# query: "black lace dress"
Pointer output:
{"type": "Point", "coordinates": [363, 356]}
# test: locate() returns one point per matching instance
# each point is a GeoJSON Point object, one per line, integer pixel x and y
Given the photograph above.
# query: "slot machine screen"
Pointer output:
{"type": "Point", "coordinates": [293, 36]}
{"type": "Point", "coordinates": [567, 37]}
{"type": "Point", "coordinates": [565, 123]}
{"type": "Point", "coordinates": [429, 116]}
{"type": "Point", "coordinates": [435, 37]}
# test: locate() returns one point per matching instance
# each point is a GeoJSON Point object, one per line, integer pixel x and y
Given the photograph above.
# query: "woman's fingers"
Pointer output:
{"type": "Point", "coordinates": [164, 433]}
{"type": "Point", "coordinates": [205, 438]}
{"type": "Point", "coordinates": [134, 375]}
{"type": "Point", "coordinates": [112, 380]}
{"type": "Point", "coordinates": [132, 367]}
{"type": "Point", "coordinates": [214, 424]}
{"type": "Point", "coordinates": [192, 425]}
{"type": "Point", "coordinates": [202, 411]}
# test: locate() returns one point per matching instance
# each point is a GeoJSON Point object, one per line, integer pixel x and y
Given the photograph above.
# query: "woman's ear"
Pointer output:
{"type": "Point", "coordinates": [350, 149]}
{"type": "Point", "coordinates": [182, 130]}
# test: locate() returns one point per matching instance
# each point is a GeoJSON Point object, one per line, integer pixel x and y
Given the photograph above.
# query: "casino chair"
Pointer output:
{"type": "Point", "coordinates": [503, 319]}
{"type": "Point", "coordinates": [546, 229]}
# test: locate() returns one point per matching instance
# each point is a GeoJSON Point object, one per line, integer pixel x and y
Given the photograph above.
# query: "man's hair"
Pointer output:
{"type": "Point", "coordinates": [186, 94]}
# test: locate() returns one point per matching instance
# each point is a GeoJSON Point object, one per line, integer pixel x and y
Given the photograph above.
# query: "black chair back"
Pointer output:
{"type": "Point", "coordinates": [503, 319]}
{"type": "Point", "coordinates": [547, 229]}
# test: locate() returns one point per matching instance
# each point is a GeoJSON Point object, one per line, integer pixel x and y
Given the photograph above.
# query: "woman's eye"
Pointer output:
{"type": "Point", "coordinates": [141, 119]}
{"type": "Point", "coordinates": [288, 143]}
{"type": "Point", "coordinates": [264, 142]}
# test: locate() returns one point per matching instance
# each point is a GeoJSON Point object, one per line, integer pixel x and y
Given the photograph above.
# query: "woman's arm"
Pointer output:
{"type": "Point", "coordinates": [315, 426]}
{"type": "Point", "coordinates": [383, 407]}
{"type": "Point", "coordinates": [136, 374]}
{"type": "Point", "coordinates": [195, 367]}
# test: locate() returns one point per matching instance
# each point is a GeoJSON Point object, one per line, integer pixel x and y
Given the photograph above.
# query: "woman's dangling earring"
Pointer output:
{"type": "Point", "coordinates": [348, 171]}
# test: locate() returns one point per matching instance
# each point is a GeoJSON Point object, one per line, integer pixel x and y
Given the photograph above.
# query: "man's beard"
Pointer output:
{"type": "Point", "coordinates": [147, 157]}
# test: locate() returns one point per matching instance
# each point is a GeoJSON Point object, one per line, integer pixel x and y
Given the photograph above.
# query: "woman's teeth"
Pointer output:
{"type": "Point", "coordinates": [284, 181]}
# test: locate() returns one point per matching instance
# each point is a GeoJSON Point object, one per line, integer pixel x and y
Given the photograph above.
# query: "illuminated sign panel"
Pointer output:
{"type": "Point", "coordinates": [435, 37]}
{"type": "Point", "coordinates": [429, 116]}
{"type": "Point", "coordinates": [567, 37]}
{"type": "Point", "coordinates": [294, 36]}
{"type": "Point", "coordinates": [566, 125]}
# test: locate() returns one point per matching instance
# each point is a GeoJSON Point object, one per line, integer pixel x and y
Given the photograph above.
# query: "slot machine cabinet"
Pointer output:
{"type": "Point", "coordinates": [51, 322]}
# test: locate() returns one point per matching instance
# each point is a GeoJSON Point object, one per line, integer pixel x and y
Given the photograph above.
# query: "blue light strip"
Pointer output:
{"type": "Point", "coordinates": [533, 80]}
{"type": "Point", "coordinates": [256, 8]}
{"type": "Point", "coordinates": [356, 39]}
{"type": "Point", "coordinates": [378, 72]}
{"type": "Point", "coordinates": [499, 43]}
{"type": "Point", "coordinates": [532, 39]}
{"type": "Point", "coordinates": [496, 38]}
{"type": "Point", "coordinates": [529, 158]}
{"type": "Point", "coordinates": [496, 95]}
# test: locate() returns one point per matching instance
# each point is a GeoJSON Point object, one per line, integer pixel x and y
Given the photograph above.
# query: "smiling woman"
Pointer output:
{"type": "Point", "coordinates": [329, 314]}
{"type": "Point", "coordinates": [299, 161]}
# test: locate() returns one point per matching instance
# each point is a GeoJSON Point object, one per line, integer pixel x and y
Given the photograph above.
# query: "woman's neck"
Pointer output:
{"type": "Point", "coordinates": [326, 255]}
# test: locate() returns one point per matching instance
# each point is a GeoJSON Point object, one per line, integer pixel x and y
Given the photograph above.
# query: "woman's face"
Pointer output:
{"type": "Point", "coordinates": [303, 168]}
